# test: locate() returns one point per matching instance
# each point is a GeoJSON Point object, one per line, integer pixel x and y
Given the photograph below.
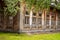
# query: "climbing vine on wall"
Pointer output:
{"type": "Point", "coordinates": [11, 7]}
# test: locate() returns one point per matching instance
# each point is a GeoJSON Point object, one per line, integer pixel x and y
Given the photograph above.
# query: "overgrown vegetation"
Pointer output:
{"type": "Point", "coordinates": [11, 6]}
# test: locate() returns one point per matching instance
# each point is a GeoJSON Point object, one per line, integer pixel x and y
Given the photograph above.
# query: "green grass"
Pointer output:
{"type": "Point", "coordinates": [15, 36]}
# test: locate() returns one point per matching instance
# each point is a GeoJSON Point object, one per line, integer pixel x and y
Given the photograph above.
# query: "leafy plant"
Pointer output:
{"type": "Point", "coordinates": [38, 4]}
{"type": "Point", "coordinates": [11, 7]}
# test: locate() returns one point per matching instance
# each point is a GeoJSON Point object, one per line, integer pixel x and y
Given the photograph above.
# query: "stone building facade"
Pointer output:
{"type": "Point", "coordinates": [32, 22]}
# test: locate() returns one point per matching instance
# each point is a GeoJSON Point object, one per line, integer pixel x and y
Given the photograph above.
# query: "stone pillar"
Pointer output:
{"type": "Point", "coordinates": [30, 21]}
{"type": "Point", "coordinates": [56, 20]}
{"type": "Point", "coordinates": [37, 14]}
{"type": "Point", "coordinates": [43, 20]}
{"type": "Point", "coordinates": [50, 20]}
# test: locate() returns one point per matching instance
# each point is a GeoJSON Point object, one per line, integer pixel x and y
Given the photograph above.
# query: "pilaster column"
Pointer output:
{"type": "Point", "coordinates": [56, 20]}
{"type": "Point", "coordinates": [43, 20]}
{"type": "Point", "coordinates": [30, 21]}
{"type": "Point", "coordinates": [50, 20]}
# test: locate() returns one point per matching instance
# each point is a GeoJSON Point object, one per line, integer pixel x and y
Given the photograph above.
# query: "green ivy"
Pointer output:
{"type": "Point", "coordinates": [11, 7]}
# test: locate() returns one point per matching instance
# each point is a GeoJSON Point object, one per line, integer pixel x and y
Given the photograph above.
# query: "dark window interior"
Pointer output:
{"type": "Point", "coordinates": [27, 13]}
{"type": "Point", "coordinates": [47, 15]}
{"type": "Point", "coordinates": [34, 14]}
{"type": "Point", "coordinates": [40, 14]}
{"type": "Point", "coordinates": [52, 16]}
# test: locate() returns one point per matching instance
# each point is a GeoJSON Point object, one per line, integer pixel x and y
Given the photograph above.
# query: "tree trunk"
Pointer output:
{"type": "Point", "coordinates": [21, 22]}
{"type": "Point", "coordinates": [5, 20]}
